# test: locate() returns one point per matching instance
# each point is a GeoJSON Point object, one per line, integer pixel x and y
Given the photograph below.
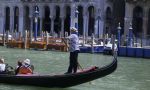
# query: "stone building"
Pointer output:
{"type": "Point", "coordinates": [57, 16]}
{"type": "Point", "coordinates": [54, 16]}
{"type": "Point", "coordinates": [138, 13]}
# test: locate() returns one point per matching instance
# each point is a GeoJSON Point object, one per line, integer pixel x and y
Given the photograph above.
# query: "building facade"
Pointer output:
{"type": "Point", "coordinates": [53, 16]}
{"type": "Point", "coordinates": [96, 17]}
{"type": "Point", "coordinates": [137, 12]}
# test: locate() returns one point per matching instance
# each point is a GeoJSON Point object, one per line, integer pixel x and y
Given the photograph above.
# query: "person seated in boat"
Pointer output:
{"type": "Point", "coordinates": [2, 65]}
{"type": "Point", "coordinates": [19, 64]}
{"type": "Point", "coordinates": [26, 67]}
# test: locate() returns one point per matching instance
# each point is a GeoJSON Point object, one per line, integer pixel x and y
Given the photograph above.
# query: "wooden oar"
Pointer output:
{"type": "Point", "coordinates": [80, 66]}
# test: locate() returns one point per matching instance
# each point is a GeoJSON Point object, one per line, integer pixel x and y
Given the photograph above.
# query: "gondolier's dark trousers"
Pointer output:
{"type": "Point", "coordinates": [73, 62]}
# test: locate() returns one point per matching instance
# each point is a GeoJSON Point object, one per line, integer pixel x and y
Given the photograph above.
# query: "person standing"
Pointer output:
{"type": "Point", "coordinates": [74, 50]}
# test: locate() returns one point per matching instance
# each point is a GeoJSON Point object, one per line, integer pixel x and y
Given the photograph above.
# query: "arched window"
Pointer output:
{"type": "Point", "coordinates": [91, 20]}
{"type": "Point", "coordinates": [80, 20]}
{"type": "Point", "coordinates": [27, 19]}
{"type": "Point", "coordinates": [108, 24]}
{"type": "Point", "coordinates": [137, 20]}
{"type": "Point", "coordinates": [16, 19]}
{"type": "Point", "coordinates": [118, 15]}
{"type": "Point", "coordinates": [67, 20]}
{"type": "Point", "coordinates": [57, 21]}
{"type": "Point", "coordinates": [7, 19]}
{"type": "Point", "coordinates": [47, 20]}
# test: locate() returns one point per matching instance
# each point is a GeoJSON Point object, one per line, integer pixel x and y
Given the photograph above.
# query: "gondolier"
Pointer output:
{"type": "Point", "coordinates": [74, 50]}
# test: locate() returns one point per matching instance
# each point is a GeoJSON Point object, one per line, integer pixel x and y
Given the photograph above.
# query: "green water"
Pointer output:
{"type": "Point", "coordinates": [131, 74]}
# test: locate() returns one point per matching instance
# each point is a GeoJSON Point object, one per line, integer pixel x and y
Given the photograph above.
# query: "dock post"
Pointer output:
{"type": "Point", "coordinates": [4, 35]}
{"type": "Point", "coordinates": [42, 37]}
{"type": "Point", "coordinates": [66, 35]}
{"type": "Point", "coordinates": [36, 14]}
{"type": "Point", "coordinates": [47, 39]}
{"type": "Point", "coordinates": [119, 36]}
{"type": "Point", "coordinates": [130, 36]}
{"type": "Point", "coordinates": [25, 40]}
{"type": "Point", "coordinates": [7, 38]}
{"type": "Point", "coordinates": [92, 46]}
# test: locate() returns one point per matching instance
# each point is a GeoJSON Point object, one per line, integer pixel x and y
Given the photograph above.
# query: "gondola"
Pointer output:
{"type": "Point", "coordinates": [64, 80]}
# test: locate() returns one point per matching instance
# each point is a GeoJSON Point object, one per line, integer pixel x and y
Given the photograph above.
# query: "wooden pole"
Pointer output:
{"type": "Point", "coordinates": [92, 44]}
{"type": "Point", "coordinates": [42, 37]}
{"type": "Point", "coordinates": [4, 35]}
{"type": "Point", "coordinates": [47, 38]}
{"type": "Point", "coordinates": [25, 42]}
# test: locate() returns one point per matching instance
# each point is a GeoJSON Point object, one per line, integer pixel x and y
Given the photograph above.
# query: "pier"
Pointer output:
{"type": "Point", "coordinates": [42, 42]}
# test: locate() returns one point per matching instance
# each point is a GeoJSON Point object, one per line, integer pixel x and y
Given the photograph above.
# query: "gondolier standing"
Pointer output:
{"type": "Point", "coordinates": [74, 50]}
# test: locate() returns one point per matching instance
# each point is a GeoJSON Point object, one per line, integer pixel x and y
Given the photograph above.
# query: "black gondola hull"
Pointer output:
{"type": "Point", "coordinates": [64, 80]}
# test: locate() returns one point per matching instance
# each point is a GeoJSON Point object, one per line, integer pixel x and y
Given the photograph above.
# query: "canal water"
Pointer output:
{"type": "Point", "coordinates": [131, 74]}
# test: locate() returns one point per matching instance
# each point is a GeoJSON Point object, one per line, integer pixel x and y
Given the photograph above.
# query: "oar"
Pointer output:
{"type": "Point", "coordinates": [80, 66]}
